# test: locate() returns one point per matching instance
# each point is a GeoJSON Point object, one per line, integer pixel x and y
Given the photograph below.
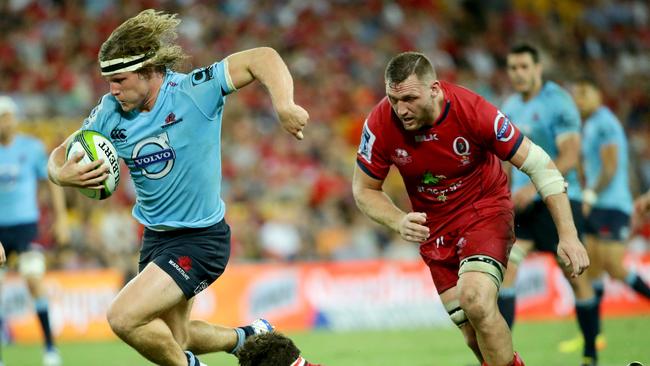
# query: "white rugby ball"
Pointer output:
{"type": "Point", "coordinates": [96, 146]}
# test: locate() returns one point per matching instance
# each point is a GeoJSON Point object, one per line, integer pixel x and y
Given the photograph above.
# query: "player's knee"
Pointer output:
{"type": "Point", "coordinates": [120, 321]}
{"type": "Point", "coordinates": [474, 303]}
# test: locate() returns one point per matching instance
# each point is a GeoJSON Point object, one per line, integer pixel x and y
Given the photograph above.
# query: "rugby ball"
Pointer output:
{"type": "Point", "coordinates": [96, 146]}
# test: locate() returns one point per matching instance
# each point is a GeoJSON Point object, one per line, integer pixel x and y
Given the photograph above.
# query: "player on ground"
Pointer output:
{"type": "Point", "coordinates": [166, 126]}
{"type": "Point", "coordinates": [271, 349]}
{"type": "Point", "coordinates": [446, 142]}
{"type": "Point", "coordinates": [546, 114]}
{"type": "Point", "coordinates": [607, 200]}
{"type": "Point", "coordinates": [23, 163]}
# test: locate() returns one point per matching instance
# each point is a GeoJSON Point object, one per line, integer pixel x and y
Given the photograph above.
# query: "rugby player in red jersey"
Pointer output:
{"type": "Point", "coordinates": [446, 142]}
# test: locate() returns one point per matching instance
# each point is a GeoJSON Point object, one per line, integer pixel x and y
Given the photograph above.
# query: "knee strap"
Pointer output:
{"type": "Point", "coordinates": [485, 264]}
{"type": "Point", "coordinates": [31, 263]}
{"type": "Point", "coordinates": [517, 254]}
{"type": "Point", "coordinates": [456, 313]}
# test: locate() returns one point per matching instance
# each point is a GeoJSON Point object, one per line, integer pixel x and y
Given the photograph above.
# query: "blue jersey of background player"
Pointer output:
{"type": "Point", "coordinates": [23, 164]}
{"type": "Point", "coordinates": [607, 197]}
{"type": "Point", "coordinates": [167, 128]}
{"type": "Point", "coordinates": [548, 119]}
{"type": "Point", "coordinates": [546, 114]}
{"type": "Point", "coordinates": [169, 148]}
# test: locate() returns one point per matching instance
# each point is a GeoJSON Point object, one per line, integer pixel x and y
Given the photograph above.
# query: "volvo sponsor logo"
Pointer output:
{"type": "Point", "coordinates": [503, 129]}
{"type": "Point", "coordinates": [153, 156]}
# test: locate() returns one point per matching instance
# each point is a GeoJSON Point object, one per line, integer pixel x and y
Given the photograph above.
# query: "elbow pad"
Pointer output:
{"type": "Point", "coordinates": [548, 181]}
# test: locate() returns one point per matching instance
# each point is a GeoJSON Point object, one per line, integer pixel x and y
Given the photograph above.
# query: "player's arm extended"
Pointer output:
{"type": "Point", "coordinates": [71, 173]}
{"type": "Point", "coordinates": [372, 201]}
{"type": "Point", "coordinates": [266, 65]}
{"type": "Point", "coordinates": [550, 184]}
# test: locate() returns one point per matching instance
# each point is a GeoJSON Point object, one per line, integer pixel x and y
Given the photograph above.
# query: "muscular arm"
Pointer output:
{"type": "Point", "coordinates": [64, 172]}
{"type": "Point", "coordinates": [570, 250]}
{"type": "Point", "coordinates": [372, 201]}
{"type": "Point", "coordinates": [266, 65]}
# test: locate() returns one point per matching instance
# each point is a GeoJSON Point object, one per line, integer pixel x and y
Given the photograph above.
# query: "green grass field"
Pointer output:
{"type": "Point", "coordinates": [628, 340]}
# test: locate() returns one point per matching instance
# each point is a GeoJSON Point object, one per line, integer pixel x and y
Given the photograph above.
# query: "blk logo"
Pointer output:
{"type": "Point", "coordinates": [118, 134]}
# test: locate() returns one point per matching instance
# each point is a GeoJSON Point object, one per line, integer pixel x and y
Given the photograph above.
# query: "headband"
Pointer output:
{"type": "Point", "coordinates": [124, 64]}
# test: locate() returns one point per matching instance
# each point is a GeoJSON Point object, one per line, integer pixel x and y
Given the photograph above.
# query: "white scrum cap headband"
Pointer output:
{"type": "Point", "coordinates": [124, 64]}
{"type": "Point", "coordinates": [7, 105]}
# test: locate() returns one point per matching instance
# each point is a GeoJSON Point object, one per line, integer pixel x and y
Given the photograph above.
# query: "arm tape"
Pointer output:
{"type": "Point", "coordinates": [548, 181]}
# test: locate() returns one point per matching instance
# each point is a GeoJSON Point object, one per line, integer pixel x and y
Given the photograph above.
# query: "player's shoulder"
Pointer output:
{"type": "Point", "coordinates": [28, 141]}
{"type": "Point", "coordinates": [511, 102]}
{"type": "Point", "coordinates": [380, 116]}
{"type": "Point", "coordinates": [106, 110]}
{"type": "Point", "coordinates": [552, 90]}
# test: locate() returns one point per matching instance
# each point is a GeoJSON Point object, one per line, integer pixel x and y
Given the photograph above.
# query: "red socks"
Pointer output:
{"type": "Point", "coordinates": [516, 361]}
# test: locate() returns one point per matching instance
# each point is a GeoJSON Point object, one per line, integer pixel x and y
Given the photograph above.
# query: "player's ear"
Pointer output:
{"type": "Point", "coordinates": [435, 88]}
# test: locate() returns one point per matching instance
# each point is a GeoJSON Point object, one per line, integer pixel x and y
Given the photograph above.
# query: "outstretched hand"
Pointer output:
{"type": "Point", "coordinates": [293, 118]}
{"type": "Point", "coordinates": [573, 255]}
{"type": "Point", "coordinates": [412, 228]}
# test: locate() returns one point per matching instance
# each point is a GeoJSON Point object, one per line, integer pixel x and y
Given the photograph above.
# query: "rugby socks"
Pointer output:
{"type": "Point", "coordinates": [43, 314]}
{"type": "Point", "coordinates": [599, 290]}
{"type": "Point", "coordinates": [516, 361]}
{"type": "Point", "coordinates": [637, 284]}
{"type": "Point", "coordinates": [242, 334]}
{"type": "Point", "coordinates": [588, 319]}
{"type": "Point", "coordinates": [506, 301]}
{"type": "Point", "coordinates": [191, 359]}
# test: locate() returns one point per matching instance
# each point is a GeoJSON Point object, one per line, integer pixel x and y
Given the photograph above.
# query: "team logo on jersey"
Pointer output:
{"type": "Point", "coordinates": [429, 179]}
{"type": "Point", "coordinates": [171, 120]}
{"type": "Point", "coordinates": [461, 146]}
{"type": "Point", "coordinates": [202, 75]}
{"type": "Point", "coordinates": [118, 134]}
{"type": "Point", "coordinates": [154, 157]}
{"type": "Point", "coordinates": [503, 128]}
{"type": "Point", "coordinates": [367, 140]}
{"type": "Point", "coordinates": [401, 157]}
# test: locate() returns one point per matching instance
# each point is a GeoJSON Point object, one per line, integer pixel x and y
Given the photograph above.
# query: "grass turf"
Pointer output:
{"type": "Point", "coordinates": [628, 340]}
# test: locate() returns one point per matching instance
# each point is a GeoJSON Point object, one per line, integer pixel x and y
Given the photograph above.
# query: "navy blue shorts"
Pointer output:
{"type": "Point", "coordinates": [606, 224]}
{"type": "Point", "coordinates": [535, 223]}
{"type": "Point", "coordinates": [17, 238]}
{"type": "Point", "coordinates": [194, 258]}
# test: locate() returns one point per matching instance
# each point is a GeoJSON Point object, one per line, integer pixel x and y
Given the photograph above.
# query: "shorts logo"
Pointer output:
{"type": "Point", "coordinates": [185, 263]}
{"type": "Point", "coordinates": [201, 286]}
{"type": "Point", "coordinates": [202, 75]}
{"type": "Point", "coordinates": [179, 269]}
{"type": "Point", "coordinates": [503, 129]}
{"type": "Point", "coordinates": [154, 156]}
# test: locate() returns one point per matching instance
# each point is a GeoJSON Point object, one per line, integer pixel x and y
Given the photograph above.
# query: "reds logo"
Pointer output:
{"type": "Point", "coordinates": [503, 129]}
{"type": "Point", "coordinates": [461, 146]}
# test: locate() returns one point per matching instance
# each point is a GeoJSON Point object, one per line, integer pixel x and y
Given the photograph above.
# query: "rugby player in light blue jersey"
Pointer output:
{"type": "Point", "coordinates": [166, 126]}
{"type": "Point", "coordinates": [607, 199]}
{"type": "Point", "coordinates": [23, 164]}
{"type": "Point", "coordinates": [547, 115]}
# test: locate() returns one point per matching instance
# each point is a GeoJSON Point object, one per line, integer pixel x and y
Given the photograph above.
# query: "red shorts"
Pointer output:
{"type": "Point", "coordinates": [487, 232]}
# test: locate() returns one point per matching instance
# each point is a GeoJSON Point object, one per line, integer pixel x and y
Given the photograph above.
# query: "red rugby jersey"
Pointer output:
{"type": "Point", "coordinates": [447, 168]}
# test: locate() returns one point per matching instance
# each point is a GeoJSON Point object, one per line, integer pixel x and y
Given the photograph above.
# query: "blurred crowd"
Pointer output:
{"type": "Point", "coordinates": [291, 200]}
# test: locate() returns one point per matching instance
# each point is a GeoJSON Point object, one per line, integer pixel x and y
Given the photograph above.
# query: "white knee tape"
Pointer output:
{"type": "Point", "coordinates": [31, 263]}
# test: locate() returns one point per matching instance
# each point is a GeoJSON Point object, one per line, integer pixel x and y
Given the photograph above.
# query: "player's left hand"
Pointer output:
{"type": "Point", "coordinates": [293, 118]}
{"type": "Point", "coordinates": [573, 255]}
{"type": "Point", "coordinates": [524, 197]}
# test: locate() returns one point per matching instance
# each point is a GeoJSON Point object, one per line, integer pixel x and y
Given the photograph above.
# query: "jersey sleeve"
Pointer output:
{"type": "Point", "coordinates": [608, 133]}
{"type": "Point", "coordinates": [371, 157]}
{"type": "Point", "coordinates": [40, 160]}
{"type": "Point", "coordinates": [98, 118]}
{"type": "Point", "coordinates": [209, 86]}
{"type": "Point", "coordinates": [495, 130]}
{"type": "Point", "coordinates": [568, 117]}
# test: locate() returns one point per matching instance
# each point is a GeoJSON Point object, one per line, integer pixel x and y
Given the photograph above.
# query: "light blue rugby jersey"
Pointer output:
{"type": "Point", "coordinates": [22, 164]}
{"type": "Point", "coordinates": [542, 119]}
{"type": "Point", "coordinates": [173, 151]}
{"type": "Point", "coordinates": [603, 128]}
